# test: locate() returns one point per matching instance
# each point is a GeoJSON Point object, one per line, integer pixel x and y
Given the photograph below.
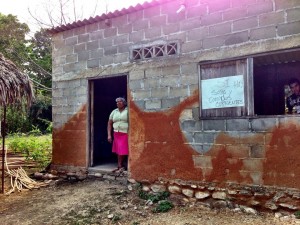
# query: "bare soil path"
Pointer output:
{"type": "Point", "coordinates": [95, 201]}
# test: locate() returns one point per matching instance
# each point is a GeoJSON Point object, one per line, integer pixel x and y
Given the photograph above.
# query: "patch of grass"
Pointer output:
{"type": "Point", "coordinates": [297, 214]}
{"type": "Point", "coordinates": [32, 147]}
{"type": "Point", "coordinates": [116, 218]}
{"type": "Point", "coordinates": [154, 197]}
{"type": "Point", "coordinates": [163, 206]}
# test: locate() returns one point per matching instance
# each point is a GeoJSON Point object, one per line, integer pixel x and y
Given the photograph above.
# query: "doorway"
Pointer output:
{"type": "Point", "coordinates": [103, 93]}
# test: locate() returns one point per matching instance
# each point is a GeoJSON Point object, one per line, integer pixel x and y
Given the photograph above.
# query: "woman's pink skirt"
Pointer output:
{"type": "Point", "coordinates": [120, 144]}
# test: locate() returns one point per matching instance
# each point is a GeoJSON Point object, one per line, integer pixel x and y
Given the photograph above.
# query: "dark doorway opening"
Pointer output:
{"type": "Point", "coordinates": [103, 93]}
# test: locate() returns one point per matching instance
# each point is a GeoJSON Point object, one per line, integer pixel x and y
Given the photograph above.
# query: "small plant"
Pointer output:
{"type": "Point", "coordinates": [116, 218]}
{"type": "Point", "coordinates": [163, 206]}
{"type": "Point", "coordinates": [297, 214]}
{"type": "Point", "coordinates": [154, 197]}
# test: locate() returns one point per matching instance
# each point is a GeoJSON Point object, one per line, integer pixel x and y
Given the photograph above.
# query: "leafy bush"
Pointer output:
{"type": "Point", "coordinates": [163, 206]}
{"type": "Point", "coordinates": [154, 197]}
{"type": "Point", "coordinates": [36, 148]}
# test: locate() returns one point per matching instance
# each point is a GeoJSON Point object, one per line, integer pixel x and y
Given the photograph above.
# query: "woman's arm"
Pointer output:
{"type": "Point", "coordinates": [109, 129]}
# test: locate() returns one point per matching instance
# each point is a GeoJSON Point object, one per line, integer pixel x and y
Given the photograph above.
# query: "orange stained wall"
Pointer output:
{"type": "Point", "coordinates": [157, 150]}
{"type": "Point", "coordinates": [69, 142]}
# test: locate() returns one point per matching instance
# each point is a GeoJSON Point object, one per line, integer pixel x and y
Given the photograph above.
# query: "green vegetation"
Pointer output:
{"type": "Point", "coordinates": [32, 147]}
{"type": "Point", "coordinates": [163, 206]}
{"type": "Point", "coordinates": [297, 214]}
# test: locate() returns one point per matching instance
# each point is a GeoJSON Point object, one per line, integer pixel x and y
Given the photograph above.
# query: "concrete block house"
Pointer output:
{"type": "Point", "coordinates": [206, 83]}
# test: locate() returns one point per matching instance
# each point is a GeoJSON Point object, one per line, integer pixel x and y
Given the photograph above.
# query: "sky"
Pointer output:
{"type": "Point", "coordinates": [39, 9]}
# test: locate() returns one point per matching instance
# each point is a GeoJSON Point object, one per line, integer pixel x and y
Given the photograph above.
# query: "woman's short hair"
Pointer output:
{"type": "Point", "coordinates": [121, 99]}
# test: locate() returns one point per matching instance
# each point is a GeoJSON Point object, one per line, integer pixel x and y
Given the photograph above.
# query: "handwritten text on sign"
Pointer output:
{"type": "Point", "coordinates": [223, 92]}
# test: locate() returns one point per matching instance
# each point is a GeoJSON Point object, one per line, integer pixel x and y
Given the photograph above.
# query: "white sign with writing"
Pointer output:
{"type": "Point", "coordinates": [223, 92]}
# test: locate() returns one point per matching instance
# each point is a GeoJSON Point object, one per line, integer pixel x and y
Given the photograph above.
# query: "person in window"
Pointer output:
{"type": "Point", "coordinates": [118, 121]}
{"type": "Point", "coordinates": [294, 99]}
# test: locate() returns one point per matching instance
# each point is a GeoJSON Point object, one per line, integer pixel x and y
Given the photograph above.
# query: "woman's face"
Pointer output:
{"type": "Point", "coordinates": [120, 104]}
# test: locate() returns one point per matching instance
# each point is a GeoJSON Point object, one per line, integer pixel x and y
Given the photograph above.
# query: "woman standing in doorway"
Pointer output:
{"type": "Point", "coordinates": [118, 120]}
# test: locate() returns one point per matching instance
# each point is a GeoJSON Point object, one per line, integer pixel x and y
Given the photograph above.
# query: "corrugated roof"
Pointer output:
{"type": "Point", "coordinates": [104, 16]}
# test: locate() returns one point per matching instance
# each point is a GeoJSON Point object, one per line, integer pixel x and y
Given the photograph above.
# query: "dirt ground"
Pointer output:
{"type": "Point", "coordinates": [98, 201]}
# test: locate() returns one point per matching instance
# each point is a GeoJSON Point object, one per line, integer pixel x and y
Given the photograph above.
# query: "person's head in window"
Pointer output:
{"type": "Point", "coordinates": [293, 101]}
{"type": "Point", "coordinates": [295, 86]}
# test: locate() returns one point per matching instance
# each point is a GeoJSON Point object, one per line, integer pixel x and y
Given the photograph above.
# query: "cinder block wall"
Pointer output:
{"type": "Point", "coordinates": [169, 139]}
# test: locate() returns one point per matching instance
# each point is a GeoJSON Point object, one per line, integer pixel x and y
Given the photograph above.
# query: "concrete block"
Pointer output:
{"type": "Point", "coordinates": [93, 63]}
{"type": "Point", "coordinates": [293, 15]}
{"type": "Point", "coordinates": [204, 137]}
{"type": "Point", "coordinates": [74, 83]}
{"type": "Point", "coordinates": [214, 125]}
{"type": "Point", "coordinates": [170, 29]}
{"type": "Point", "coordinates": [80, 30]}
{"type": "Point", "coordinates": [152, 12]}
{"type": "Point", "coordinates": [96, 54]}
{"type": "Point", "coordinates": [264, 124]}
{"type": "Point", "coordinates": [192, 46]}
{"type": "Point", "coordinates": [237, 125]}
{"type": "Point", "coordinates": [253, 165]}
{"type": "Point", "coordinates": [83, 56]}
{"type": "Point", "coordinates": [189, 69]}
{"type": "Point", "coordinates": [257, 177]}
{"type": "Point", "coordinates": [136, 84]}
{"type": "Point", "coordinates": [97, 35]}
{"type": "Point", "coordinates": [136, 75]}
{"type": "Point", "coordinates": [120, 21]}
{"type": "Point", "coordinates": [124, 48]}
{"type": "Point", "coordinates": [154, 32]}
{"type": "Point", "coordinates": [79, 47]}
{"type": "Point", "coordinates": [121, 58]}
{"type": "Point", "coordinates": [140, 104]}
{"type": "Point", "coordinates": [69, 67]}
{"type": "Point", "coordinates": [106, 42]}
{"type": "Point", "coordinates": [189, 136]}
{"type": "Point", "coordinates": [71, 58]}
{"type": "Point", "coordinates": [196, 11]}
{"type": "Point", "coordinates": [91, 27]}
{"type": "Point", "coordinates": [198, 148]}
{"type": "Point", "coordinates": [171, 70]}
{"type": "Point", "coordinates": [71, 41]}
{"type": "Point", "coordinates": [245, 24]}
{"type": "Point", "coordinates": [141, 94]}
{"type": "Point", "coordinates": [159, 92]}
{"type": "Point", "coordinates": [140, 25]}
{"type": "Point", "coordinates": [153, 72]}
{"type": "Point", "coordinates": [212, 18]}
{"type": "Point", "coordinates": [179, 92]}
{"type": "Point", "coordinates": [137, 36]}
{"type": "Point", "coordinates": [107, 60]}
{"type": "Point", "coordinates": [110, 50]}
{"type": "Point", "coordinates": [279, 4]}
{"type": "Point", "coordinates": [82, 38]}
{"type": "Point", "coordinates": [220, 29]}
{"type": "Point", "coordinates": [110, 32]}
{"type": "Point", "coordinates": [186, 114]}
{"type": "Point", "coordinates": [216, 5]}
{"type": "Point", "coordinates": [191, 125]}
{"type": "Point", "coordinates": [170, 80]}
{"type": "Point", "coordinates": [151, 83]}
{"type": "Point", "coordinates": [135, 16]}
{"type": "Point", "coordinates": [235, 13]}
{"type": "Point", "coordinates": [92, 45]}
{"type": "Point", "coordinates": [190, 24]}
{"type": "Point", "coordinates": [158, 21]}
{"type": "Point", "coordinates": [273, 18]}
{"type": "Point", "coordinates": [251, 138]}
{"type": "Point", "coordinates": [260, 8]}
{"type": "Point", "coordinates": [236, 38]}
{"type": "Point", "coordinates": [213, 42]}
{"type": "Point", "coordinates": [257, 151]}
{"type": "Point", "coordinates": [169, 103]}
{"type": "Point", "coordinates": [196, 114]}
{"type": "Point", "coordinates": [68, 33]}
{"type": "Point", "coordinates": [126, 29]}
{"type": "Point", "coordinates": [153, 104]}
{"type": "Point", "coordinates": [174, 17]}
{"type": "Point", "coordinates": [238, 151]}
{"type": "Point", "coordinates": [288, 28]}
{"type": "Point", "coordinates": [121, 39]}
{"type": "Point", "coordinates": [263, 33]}
{"type": "Point", "coordinates": [202, 161]}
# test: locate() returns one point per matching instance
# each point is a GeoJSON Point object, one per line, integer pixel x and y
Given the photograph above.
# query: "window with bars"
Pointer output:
{"type": "Point", "coordinates": [154, 51]}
